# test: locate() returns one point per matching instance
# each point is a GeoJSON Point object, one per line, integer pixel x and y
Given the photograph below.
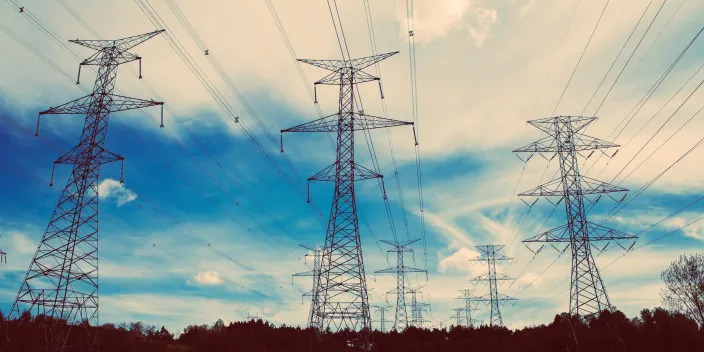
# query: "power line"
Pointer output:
{"type": "Point", "coordinates": [617, 56]}
{"type": "Point", "coordinates": [581, 56]}
{"type": "Point", "coordinates": [629, 57]}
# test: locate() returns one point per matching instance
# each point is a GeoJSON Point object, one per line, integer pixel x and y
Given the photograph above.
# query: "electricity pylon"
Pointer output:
{"type": "Point", "coordinates": [457, 316]}
{"type": "Point", "coordinates": [417, 308]}
{"type": "Point", "coordinates": [342, 287]}
{"type": "Point", "coordinates": [382, 316]}
{"type": "Point", "coordinates": [61, 284]}
{"type": "Point", "coordinates": [315, 274]}
{"type": "Point", "coordinates": [565, 139]}
{"type": "Point", "coordinates": [470, 304]}
{"type": "Point", "coordinates": [400, 248]}
{"type": "Point", "coordinates": [491, 254]}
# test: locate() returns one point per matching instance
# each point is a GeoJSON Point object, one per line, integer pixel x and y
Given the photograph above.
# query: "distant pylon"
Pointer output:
{"type": "Point", "coordinates": [400, 247]}
{"type": "Point", "coordinates": [342, 287]}
{"type": "Point", "coordinates": [489, 254]}
{"type": "Point", "coordinates": [457, 316]}
{"type": "Point", "coordinates": [62, 280]}
{"type": "Point", "coordinates": [316, 252]}
{"type": "Point", "coordinates": [565, 139]}
{"type": "Point", "coordinates": [417, 308]}
{"type": "Point", "coordinates": [382, 316]}
{"type": "Point", "coordinates": [470, 304]}
{"type": "Point", "coordinates": [251, 317]}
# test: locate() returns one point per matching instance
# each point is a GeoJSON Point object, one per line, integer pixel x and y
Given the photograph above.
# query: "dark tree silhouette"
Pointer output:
{"type": "Point", "coordinates": [684, 285]}
{"type": "Point", "coordinates": [654, 330]}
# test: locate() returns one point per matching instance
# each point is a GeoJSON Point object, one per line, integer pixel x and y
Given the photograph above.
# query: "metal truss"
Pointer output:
{"type": "Point", "coordinates": [565, 140]}
{"type": "Point", "coordinates": [341, 287]}
{"type": "Point", "coordinates": [491, 254]}
{"type": "Point", "coordinates": [400, 270]}
{"type": "Point", "coordinates": [61, 284]}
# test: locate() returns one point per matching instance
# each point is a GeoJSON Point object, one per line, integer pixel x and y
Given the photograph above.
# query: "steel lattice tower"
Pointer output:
{"type": "Point", "coordinates": [417, 308]}
{"type": "Point", "coordinates": [469, 305]}
{"type": "Point", "coordinates": [564, 138]}
{"type": "Point", "coordinates": [315, 274]}
{"type": "Point", "coordinates": [382, 316]}
{"type": "Point", "coordinates": [491, 254]}
{"type": "Point", "coordinates": [61, 284]}
{"type": "Point", "coordinates": [400, 248]}
{"type": "Point", "coordinates": [457, 316]}
{"type": "Point", "coordinates": [341, 287]}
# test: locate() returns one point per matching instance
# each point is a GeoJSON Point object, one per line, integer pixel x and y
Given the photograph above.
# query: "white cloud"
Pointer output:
{"type": "Point", "coordinates": [21, 243]}
{"type": "Point", "coordinates": [480, 31]}
{"type": "Point", "coordinates": [113, 189]}
{"type": "Point", "coordinates": [436, 19]}
{"type": "Point", "coordinates": [459, 260]}
{"type": "Point", "coordinates": [208, 277]}
{"type": "Point", "coordinates": [695, 230]}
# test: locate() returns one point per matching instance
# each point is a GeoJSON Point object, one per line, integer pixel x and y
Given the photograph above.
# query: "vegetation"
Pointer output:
{"type": "Point", "coordinates": [653, 330]}
{"type": "Point", "coordinates": [684, 286]}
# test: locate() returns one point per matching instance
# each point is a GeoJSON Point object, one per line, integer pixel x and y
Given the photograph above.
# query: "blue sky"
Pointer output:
{"type": "Point", "coordinates": [205, 228]}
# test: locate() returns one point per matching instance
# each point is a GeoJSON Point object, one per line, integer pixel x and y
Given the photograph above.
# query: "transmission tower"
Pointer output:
{"type": "Point", "coordinates": [457, 316]}
{"type": "Point", "coordinates": [470, 304]}
{"type": "Point", "coordinates": [382, 316]}
{"type": "Point", "coordinates": [565, 139]}
{"type": "Point", "coordinates": [316, 252]}
{"type": "Point", "coordinates": [491, 254]}
{"type": "Point", "coordinates": [61, 284]}
{"type": "Point", "coordinates": [417, 308]}
{"type": "Point", "coordinates": [341, 286]}
{"type": "Point", "coordinates": [400, 248]}
{"type": "Point", "coordinates": [251, 317]}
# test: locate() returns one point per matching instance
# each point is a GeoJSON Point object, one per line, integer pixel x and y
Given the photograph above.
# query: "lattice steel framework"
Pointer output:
{"type": "Point", "coordinates": [61, 284]}
{"type": "Point", "coordinates": [400, 248]}
{"type": "Point", "coordinates": [382, 316]}
{"type": "Point", "coordinates": [417, 308]}
{"type": "Point", "coordinates": [341, 287]}
{"type": "Point", "coordinates": [316, 253]}
{"type": "Point", "coordinates": [470, 304]}
{"type": "Point", "coordinates": [492, 254]}
{"type": "Point", "coordinates": [457, 316]}
{"type": "Point", "coordinates": [566, 140]}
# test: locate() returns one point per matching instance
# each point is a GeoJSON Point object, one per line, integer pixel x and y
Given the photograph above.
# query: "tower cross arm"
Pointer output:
{"type": "Point", "coordinates": [335, 78]}
{"type": "Point", "coordinates": [360, 122]}
{"type": "Point", "coordinates": [588, 186]}
{"type": "Point", "coordinates": [73, 156]}
{"type": "Point", "coordinates": [357, 64]}
{"type": "Point", "coordinates": [122, 103]}
{"type": "Point", "coordinates": [76, 106]}
{"type": "Point", "coordinates": [328, 174]}
{"type": "Point", "coordinates": [499, 297]}
{"type": "Point", "coordinates": [305, 273]}
{"type": "Point", "coordinates": [581, 143]}
{"type": "Point", "coordinates": [487, 277]}
{"type": "Point", "coordinates": [399, 243]}
{"type": "Point", "coordinates": [118, 58]}
{"type": "Point", "coordinates": [82, 105]}
{"type": "Point", "coordinates": [577, 123]}
{"type": "Point", "coordinates": [123, 44]}
{"type": "Point", "coordinates": [596, 233]}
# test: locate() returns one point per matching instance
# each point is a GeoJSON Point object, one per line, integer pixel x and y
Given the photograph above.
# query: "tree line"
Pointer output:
{"type": "Point", "coordinates": [653, 330]}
